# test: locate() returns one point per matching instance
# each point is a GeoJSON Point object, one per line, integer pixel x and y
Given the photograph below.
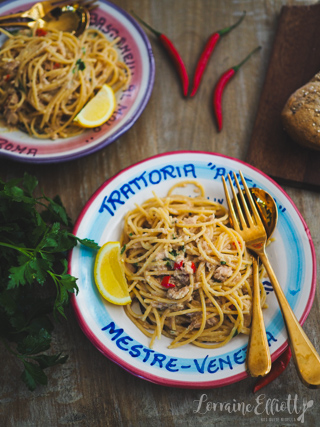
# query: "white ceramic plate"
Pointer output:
{"type": "Point", "coordinates": [134, 49]}
{"type": "Point", "coordinates": [110, 330]}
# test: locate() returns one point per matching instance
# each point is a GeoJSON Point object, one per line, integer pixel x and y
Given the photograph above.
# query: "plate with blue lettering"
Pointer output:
{"type": "Point", "coordinates": [134, 49]}
{"type": "Point", "coordinates": [112, 332]}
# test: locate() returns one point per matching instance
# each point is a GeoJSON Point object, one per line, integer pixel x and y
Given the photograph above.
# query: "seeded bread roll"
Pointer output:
{"type": "Point", "coordinates": [301, 114]}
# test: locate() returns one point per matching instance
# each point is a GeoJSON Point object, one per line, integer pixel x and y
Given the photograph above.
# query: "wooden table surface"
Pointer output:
{"type": "Point", "coordinates": [90, 390]}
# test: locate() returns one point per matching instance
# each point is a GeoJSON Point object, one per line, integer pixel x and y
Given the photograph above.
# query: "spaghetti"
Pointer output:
{"type": "Point", "coordinates": [189, 274]}
{"type": "Point", "coordinates": [47, 77]}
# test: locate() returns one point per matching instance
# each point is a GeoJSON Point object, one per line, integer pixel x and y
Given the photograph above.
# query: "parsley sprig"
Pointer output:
{"type": "Point", "coordinates": [34, 284]}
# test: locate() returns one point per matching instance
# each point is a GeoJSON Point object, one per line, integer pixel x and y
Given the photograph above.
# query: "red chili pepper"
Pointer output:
{"type": "Point", "coordinates": [173, 53]}
{"type": "Point", "coordinates": [166, 282]}
{"type": "Point", "coordinates": [178, 265]}
{"type": "Point", "coordinates": [7, 77]}
{"type": "Point", "coordinates": [234, 245]}
{"type": "Point", "coordinates": [218, 91]}
{"type": "Point", "coordinates": [207, 51]}
{"type": "Point", "coordinates": [41, 32]}
{"type": "Point", "coordinates": [277, 368]}
{"type": "Point", "coordinates": [194, 268]}
{"type": "Point", "coordinates": [56, 65]}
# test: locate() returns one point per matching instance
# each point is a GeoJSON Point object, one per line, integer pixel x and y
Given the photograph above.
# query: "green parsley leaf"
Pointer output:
{"type": "Point", "coordinates": [33, 375]}
{"type": "Point", "coordinates": [34, 344]}
{"type": "Point", "coordinates": [46, 361]}
{"type": "Point", "coordinates": [35, 287]}
{"type": "Point", "coordinates": [173, 253]}
{"type": "Point", "coordinates": [88, 243]}
{"type": "Point", "coordinates": [29, 182]}
{"type": "Point", "coordinates": [80, 64]}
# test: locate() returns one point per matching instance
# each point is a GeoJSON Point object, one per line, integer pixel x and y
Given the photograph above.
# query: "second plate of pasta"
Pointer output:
{"type": "Point", "coordinates": [188, 272]}
{"type": "Point", "coordinates": [47, 77]}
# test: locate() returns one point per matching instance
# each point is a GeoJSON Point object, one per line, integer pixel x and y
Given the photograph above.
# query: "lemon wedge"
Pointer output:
{"type": "Point", "coordinates": [109, 275]}
{"type": "Point", "coordinates": [98, 110]}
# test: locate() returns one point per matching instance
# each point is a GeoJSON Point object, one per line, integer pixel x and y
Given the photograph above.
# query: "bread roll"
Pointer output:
{"type": "Point", "coordinates": [301, 114]}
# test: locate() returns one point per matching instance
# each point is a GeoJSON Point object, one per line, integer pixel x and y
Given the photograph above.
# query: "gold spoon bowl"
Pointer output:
{"type": "Point", "coordinates": [73, 19]}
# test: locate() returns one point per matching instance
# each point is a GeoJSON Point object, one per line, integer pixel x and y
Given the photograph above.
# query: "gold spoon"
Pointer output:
{"type": "Point", "coordinates": [72, 19]}
{"type": "Point", "coordinates": [267, 209]}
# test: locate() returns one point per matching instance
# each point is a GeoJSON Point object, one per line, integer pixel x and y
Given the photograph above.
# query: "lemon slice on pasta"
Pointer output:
{"type": "Point", "coordinates": [109, 275]}
{"type": "Point", "coordinates": [98, 110]}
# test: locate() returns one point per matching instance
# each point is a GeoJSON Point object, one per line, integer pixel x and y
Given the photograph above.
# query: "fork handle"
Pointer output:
{"type": "Point", "coordinates": [258, 359]}
{"type": "Point", "coordinates": [11, 16]}
{"type": "Point", "coordinates": [16, 24]}
{"type": "Point", "coordinates": [305, 356]}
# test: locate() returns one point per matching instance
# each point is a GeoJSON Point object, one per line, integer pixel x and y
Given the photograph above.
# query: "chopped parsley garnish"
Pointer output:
{"type": "Point", "coordinates": [223, 262]}
{"type": "Point", "coordinates": [173, 253]}
{"type": "Point", "coordinates": [81, 65]}
{"type": "Point", "coordinates": [21, 87]}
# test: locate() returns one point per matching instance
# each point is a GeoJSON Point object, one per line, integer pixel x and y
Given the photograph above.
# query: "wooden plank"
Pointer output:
{"type": "Point", "coordinates": [294, 60]}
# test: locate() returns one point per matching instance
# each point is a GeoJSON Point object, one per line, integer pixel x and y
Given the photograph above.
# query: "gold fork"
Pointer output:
{"type": "Point", "coordinates": [306, 358]}
{"type": "Point", "coordinates": [258, 359]}
{"type": "Point", "coordinates": [40, 9]}
{"type": "Point", "coordinates": [37, 11]}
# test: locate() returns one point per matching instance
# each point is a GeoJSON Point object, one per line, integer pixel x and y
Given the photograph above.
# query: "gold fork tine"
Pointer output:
{"type": "Point", "coordinates": [252, 204]}
{"type": "Point", "coordinates": [243, 201]}
{"type": "Point", "coordinates": [230, 206]}
{"type": "Point", "coordinates": [236, 201]}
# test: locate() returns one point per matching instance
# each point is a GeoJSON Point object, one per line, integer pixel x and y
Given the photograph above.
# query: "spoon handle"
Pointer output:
{"type": "Point", "coordinates": [258, 354]}
{"type": "Point", "coordinates": [306, 358]}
